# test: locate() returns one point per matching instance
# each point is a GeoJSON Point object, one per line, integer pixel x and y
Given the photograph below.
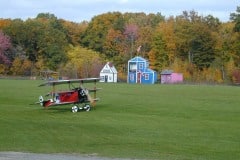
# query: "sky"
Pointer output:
{"type": "Point", "coordinates": [80, 10]}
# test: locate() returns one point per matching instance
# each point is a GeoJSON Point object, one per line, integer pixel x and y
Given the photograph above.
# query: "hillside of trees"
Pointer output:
{"type": "Point", "coordinates": [203, 48]}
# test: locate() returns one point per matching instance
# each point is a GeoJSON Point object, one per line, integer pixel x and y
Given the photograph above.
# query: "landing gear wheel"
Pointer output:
{"type": "Point", "coordinates": [87, 107]}
{"type": "Point", "coordinates": [41, 100]}
{"type": "Point", "coordinates": [74, 109]}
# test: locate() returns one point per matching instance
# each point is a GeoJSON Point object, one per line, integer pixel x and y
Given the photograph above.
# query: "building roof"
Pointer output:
{"type": "Point", "coordinates": [149, 70]}
{"type": "Point", "coordinates": [109, 68]}
{"type": "Point", "coordinates": [166, 71]}
{"type": "Point", "coordinates": [137, 59]}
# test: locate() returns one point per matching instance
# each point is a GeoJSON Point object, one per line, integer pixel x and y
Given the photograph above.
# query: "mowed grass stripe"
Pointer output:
{"type": "Point", "coordinates": [130, 121]}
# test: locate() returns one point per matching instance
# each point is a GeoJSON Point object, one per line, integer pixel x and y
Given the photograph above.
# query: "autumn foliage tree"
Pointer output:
{"type": "Point", "coordinates": [82, 63]}
{"type": "Point", "coordinates": [5, 57]}
{"type": "Point", "coordinates": [39, 38]}
{"type": "Point", "coordinates": [201, 47]}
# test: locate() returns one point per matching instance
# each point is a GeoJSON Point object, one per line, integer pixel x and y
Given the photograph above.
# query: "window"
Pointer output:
{"type": "Point", "coordinates": [146, 76]}
{"type": "Point", "coordinates": [132, 67]}
{"type": "Point", "coordinates": [131, 77]}
{"type": "Point", "coordinates": [102, 78]}
{"type": "Point", "coordinates": [140, 65]}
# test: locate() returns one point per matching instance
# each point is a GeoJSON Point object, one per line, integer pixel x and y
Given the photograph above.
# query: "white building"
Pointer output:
{"type": "Point", "coordinates": [108, 73]}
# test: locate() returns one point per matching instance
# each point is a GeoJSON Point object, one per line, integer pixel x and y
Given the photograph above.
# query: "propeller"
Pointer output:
{"type": "Point", "coordinates": [89, 96]}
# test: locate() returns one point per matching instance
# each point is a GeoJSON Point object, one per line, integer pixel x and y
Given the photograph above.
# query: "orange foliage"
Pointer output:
{"type": "Point", "coordinates": [4, 23]}
{"type": "Point", "coordinates": [21, 67]}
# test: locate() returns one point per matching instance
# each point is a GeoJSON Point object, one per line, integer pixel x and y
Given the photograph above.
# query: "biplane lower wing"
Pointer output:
{"type": "Point", "coordinates": [94, 90]}
{"type": "Point", "coordinates": [49, 103]}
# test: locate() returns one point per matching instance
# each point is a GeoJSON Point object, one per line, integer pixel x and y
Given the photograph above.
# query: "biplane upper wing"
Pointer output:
{"type": "Point", "coordinates": [58, 82]}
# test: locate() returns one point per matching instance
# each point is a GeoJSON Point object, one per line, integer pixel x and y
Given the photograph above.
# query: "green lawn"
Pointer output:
{"type": "Point", "coordinates": [170, 122]}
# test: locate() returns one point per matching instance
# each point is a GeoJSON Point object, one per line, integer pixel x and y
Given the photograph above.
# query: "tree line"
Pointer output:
{"type": "Point", "coordinates": [203, 48]}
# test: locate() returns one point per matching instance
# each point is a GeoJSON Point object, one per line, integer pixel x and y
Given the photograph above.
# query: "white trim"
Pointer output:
{"type": "Point", "coordinates": [153, 77]}
{"type": "Point", "coordinates": [111, 72]}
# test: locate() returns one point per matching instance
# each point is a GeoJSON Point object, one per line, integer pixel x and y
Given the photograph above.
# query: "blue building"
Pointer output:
{"type": "Point", "coordinates": [139, 71]}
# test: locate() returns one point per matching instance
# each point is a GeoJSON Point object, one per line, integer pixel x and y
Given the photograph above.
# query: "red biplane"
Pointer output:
{"type": "Point", "coordinates": [78, 96]}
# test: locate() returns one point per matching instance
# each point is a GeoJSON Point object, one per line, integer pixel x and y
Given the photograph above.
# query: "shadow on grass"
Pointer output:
{"type": "Point", "coordinates": [59, 109]}
{"type": "Point", "coordinates": [67, 109]}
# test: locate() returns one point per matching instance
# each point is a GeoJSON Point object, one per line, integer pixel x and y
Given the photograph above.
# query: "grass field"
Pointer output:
{"type": "Point", "coordinates": [170, 122]}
